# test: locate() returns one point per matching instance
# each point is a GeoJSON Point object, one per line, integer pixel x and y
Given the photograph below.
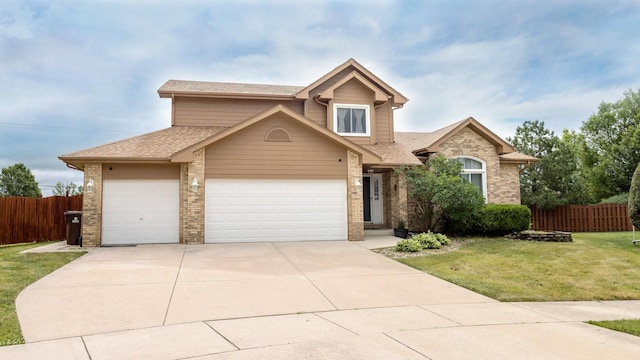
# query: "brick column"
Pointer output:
{"type": "Point", "coordinates": [399, 198]}
{"type": "Point", "coordinates": [192, 202]}
{"type": "Point", "coordinates": [355, 212]}
{"type": "Point", "coordinates": [92, 207]}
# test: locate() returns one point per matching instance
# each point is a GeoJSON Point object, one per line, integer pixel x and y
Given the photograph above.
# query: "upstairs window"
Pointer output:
{"type": "Point", "coordinates": [351, 120]}
{"type": "Point", "coordinates": [475, 171]}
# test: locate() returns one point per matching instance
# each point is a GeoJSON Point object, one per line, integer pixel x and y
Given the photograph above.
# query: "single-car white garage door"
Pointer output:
{"type": "Point", "coordinates": [275, 210]}
{"type": "Point", "coordinates": [140, 212]}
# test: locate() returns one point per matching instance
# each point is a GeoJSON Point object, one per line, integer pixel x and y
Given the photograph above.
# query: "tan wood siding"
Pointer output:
{"type": "Point", "coordinates": [353, 92]}
{"type": "Point", "coordinates": [384, 128]}
{"type": "Point", "coordinates": [325, 85]}
{"type": "Point", "coordinates": [223, 112]}
{"type": "Point", "coordinates": [140, 171]}
{"type": "Point", "coordinates": [246, 154]}
{"type": "Point", "coordinates": [316, 112]}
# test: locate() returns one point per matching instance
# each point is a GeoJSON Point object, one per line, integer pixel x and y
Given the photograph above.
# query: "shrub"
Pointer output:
{"type": "Point", "coordinates": [443, 239]}
{"type": "Point", "coordinates": [440, 194]}
{"type": "Point", "coordinates": [431, 240]}
{"type": "Point", "coordinates": [408, 245]}
{"type": "Point", "coordinates": [634, 198]}
{"type": "Point", "coordinates": [503, 219]}
{"type": "Point", "coordinates": [616, 199]}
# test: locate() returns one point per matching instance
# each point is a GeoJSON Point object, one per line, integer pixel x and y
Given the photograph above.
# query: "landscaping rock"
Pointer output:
{"type": "Point", "coordinates": [531, 235]}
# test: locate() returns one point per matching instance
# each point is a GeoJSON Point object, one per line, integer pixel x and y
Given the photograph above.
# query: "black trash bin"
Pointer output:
{"type": "Point", "coordinates": [74, 224]}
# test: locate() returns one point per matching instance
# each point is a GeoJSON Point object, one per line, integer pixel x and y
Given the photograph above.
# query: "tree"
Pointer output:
{"type": "Point", "coordinates": [17, 180]}
{"type": "Point", "coordinates": [556, 178]}
{"type": "Point", "coordinates": [634, 198]}
{"type": "Point", "coordinates": [611, 146]}
{"type": "Point", "coordinates": [441, 194]}
{"type": "Point", "coordinates": [67, 189]}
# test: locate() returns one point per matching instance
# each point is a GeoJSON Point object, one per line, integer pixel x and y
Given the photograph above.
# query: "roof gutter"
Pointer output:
{"type": "Point", "coordinates": [71, 166]}
{"type": "Point", "coordinates": [226, 95]}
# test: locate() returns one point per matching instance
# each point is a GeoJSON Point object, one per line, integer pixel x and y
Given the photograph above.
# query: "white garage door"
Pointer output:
{"type": "Point", "coordinates": [140, 212]}
{"type": "Point", "coordinates": [275, 210]}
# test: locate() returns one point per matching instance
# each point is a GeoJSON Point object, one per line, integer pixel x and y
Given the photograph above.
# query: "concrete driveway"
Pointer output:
{"type": "Point", "coordinates": [326, 300]}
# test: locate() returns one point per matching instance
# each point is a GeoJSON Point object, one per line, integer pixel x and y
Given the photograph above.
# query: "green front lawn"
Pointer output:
{"type": "Point", "coordinates": [595, 266]}
{"type": "Point", "coordinates": [17, 271]}
{"type": "Point", "coordinates": [627, 326]}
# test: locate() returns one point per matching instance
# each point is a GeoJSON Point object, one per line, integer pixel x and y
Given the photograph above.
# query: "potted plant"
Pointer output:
{"type": "Point", "coordinates": [401, 231]}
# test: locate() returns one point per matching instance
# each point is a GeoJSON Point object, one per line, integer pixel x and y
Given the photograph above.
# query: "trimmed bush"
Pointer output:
{"type": "Point", "coordinates": [503, 219]}
{"type": "Point", "coordinates": [408, 245]}
{"type": "Point", "coordinates": [431, 240]}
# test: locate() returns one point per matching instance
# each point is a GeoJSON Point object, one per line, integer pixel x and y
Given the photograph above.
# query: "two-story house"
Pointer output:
{"type": "Point", "coordinates": [249, 162]}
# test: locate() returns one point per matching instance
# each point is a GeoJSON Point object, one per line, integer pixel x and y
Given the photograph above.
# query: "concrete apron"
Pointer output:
{"type": "Point", "coordinates": [280, 300]}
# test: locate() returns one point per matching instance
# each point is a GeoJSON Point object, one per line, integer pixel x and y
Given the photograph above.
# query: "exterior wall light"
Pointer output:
{"type": "Point", "coordinates": [194, 184]}
{"type": "Point", "coordinates": [90, 185]}
{"type": "Point", "coordinates": [357, 183]}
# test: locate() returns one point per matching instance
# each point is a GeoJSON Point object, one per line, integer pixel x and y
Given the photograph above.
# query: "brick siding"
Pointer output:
{"type": "Point", "coordinates": [503, 181]}
{"type": "Point", "coordinates": [92, 207]}
{"type": "Point", "coordinates": [355, 214]}
{"type": "Point", "coordinates": [192, 202]}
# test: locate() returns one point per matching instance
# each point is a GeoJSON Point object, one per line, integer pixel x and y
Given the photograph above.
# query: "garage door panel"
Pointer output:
{"type": "Point", "coordinates": [275, 210]}
{"type": "Point", "coordinates": [140, 212]}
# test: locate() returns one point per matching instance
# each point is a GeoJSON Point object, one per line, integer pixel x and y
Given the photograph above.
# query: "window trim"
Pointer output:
{"type": "Point", "coordinates": [482, 171]}
{"type": "Point", "coordinates": [367, 116]}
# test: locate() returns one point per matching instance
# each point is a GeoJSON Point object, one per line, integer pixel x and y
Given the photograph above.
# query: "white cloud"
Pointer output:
{"type": "Point", "coordinates": [97, 65]}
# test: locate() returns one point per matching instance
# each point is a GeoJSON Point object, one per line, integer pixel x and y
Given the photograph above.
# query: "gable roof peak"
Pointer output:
{"type": "Point", "coordinates": [396, 98]}
{"type": "Point", "coordinates": [430, 142]}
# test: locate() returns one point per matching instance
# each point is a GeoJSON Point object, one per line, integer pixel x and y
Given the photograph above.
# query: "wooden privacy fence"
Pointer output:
{"type": "Point", "coordinates": [582, 218]}
{"type": "Point", "coordinates": [24, 219]}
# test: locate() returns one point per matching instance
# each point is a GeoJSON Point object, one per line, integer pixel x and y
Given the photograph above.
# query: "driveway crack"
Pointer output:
{"type": "Point", "coordinates": [305, 276]}
{"type": "Point", "coordinates": [175, 283]}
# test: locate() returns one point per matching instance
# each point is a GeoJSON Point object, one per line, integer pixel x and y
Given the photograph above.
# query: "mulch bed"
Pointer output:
{"type": "Point", "coordinates": [392, 253]}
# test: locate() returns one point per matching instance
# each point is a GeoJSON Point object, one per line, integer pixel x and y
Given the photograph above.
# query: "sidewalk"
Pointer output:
{"type": "Point", "coordinates": [482, 331]}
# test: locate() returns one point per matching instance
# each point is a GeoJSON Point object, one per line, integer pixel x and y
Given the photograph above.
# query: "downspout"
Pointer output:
{"type": "Point", "coordinates": [525, 167]}
{"type": "Point", "coordinates": [317, 99]}
{"type": "Point", "coordinates": [173, 109]}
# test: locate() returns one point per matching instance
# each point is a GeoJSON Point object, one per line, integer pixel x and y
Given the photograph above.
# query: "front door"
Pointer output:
{"type": "Point", "coordinates": [372, 201]}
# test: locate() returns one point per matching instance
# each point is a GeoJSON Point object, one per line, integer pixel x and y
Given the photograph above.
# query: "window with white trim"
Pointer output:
{"type": "Point", "coordinates": [351, 120]}
{"type": "Point", "coordinates": [474, 170]}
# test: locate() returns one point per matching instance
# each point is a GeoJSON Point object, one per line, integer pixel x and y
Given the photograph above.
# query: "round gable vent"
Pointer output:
{"type": "Point", "coordinates": [277, 134]}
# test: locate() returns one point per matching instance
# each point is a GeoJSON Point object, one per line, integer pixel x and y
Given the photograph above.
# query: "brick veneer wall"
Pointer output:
{"type": "Point", "coordinates": [509, 185]}
{"type": "Point", "coordinates": [355, 215]}
{"type": "Point", "coordinates": [398, 188]}
{"type": "Point", "coordinates": [192, 202]}
{"type": "Point", "coordinates": [502, 179]}
{"type": "Point", "coordinates": [92, 207]}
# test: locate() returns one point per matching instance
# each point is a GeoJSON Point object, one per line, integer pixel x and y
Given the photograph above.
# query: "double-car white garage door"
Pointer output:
{"type": "Point", "coordinates": [275, 210]}
{"type": "Point", "coordinates": [148, 211]}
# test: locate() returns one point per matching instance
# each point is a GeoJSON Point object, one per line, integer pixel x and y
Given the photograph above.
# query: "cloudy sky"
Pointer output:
{"type": "Point", "coordinates": [77, 74]}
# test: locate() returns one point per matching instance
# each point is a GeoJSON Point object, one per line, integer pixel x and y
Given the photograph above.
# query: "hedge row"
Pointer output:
{"type": "Point", "coordinates": [497, 219]}
{"type": "Point", "coordinates": [503, 219]}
